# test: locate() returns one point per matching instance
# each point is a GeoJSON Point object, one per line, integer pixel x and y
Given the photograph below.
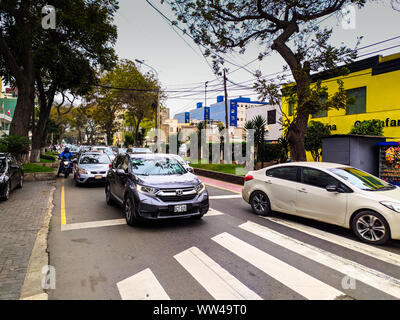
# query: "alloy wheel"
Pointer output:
{"type": "Point", "coordinates": [370, 228]}
{"type": "Point", "coordinates": [260, 203]}
{"type": "Point", "coordinates": [128, 209]}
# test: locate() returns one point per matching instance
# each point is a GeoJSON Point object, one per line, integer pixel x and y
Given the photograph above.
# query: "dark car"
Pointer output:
{"type": "Point", "coordinates": [152, 186]}
{"type": "Point", "coordinates": [11, 175]}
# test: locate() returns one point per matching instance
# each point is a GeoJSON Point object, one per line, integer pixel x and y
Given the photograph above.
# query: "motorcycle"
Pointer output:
{"type": "Point", "coordinates": [65, 167]}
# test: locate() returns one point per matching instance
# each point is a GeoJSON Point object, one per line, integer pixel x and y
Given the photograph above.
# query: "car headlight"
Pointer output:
{"type": "Point", "coordinates": [148, 190]}
{"type": "Point", "coordinates": [200, 188]}
{"type": "Point", "coordinates": [82, 171]}
{"type": "Point", "coordinates": [395, 206]}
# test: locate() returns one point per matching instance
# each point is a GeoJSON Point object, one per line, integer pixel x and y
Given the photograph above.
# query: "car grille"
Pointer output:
{"type": "Point", "coordinates": [97, 172]}
{"type": "Point", "coordinates": [169, 195]}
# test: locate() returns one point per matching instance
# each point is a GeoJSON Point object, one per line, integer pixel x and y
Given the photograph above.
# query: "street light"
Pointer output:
{"type": "Point", "coordinates": [158, 115]}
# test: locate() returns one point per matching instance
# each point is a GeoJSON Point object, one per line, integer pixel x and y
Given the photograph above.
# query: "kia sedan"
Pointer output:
{"type": "Point", "coordinates": [328, 192]}
{"type": "Point", "coordinates": [11, 175]}
{"type": "Point", "coordinates": [154, 186]}
{"type": "Point", "coordinates": [92, 168]}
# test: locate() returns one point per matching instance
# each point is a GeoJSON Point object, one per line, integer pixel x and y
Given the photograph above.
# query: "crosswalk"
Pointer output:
{"type": "Point", "coordinates": [265, 249]}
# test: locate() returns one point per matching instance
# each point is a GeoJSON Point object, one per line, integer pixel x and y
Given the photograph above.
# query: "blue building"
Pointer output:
{"type": "Point", "coordinates": [216, 112]}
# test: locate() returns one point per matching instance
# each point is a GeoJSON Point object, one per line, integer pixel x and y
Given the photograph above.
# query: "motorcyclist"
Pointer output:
{"type": "Point", "coordinates": [67, 155]}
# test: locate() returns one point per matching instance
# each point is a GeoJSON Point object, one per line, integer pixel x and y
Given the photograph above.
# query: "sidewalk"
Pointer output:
{"type": "Point", "coordinates": [21, 218]}
{"type": "Point", "coordinates": [221, 184]}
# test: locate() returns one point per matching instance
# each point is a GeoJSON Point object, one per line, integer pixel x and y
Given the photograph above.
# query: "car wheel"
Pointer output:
{"type": "Point", "coordinates": [21, 182]}
{"type": "Point", "coordinates": [7, 191]}
{"type": "Point", "coordinates": [129, 210]}
{"type": "Point", "coordinates": [260, 203]}
{"type": "Point", "coordinates": [109, 199]}
{"type": "Point", "coordinates": [371, 227]}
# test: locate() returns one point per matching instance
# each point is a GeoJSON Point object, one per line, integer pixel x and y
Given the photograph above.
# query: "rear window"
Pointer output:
{"type": "Point", "coordinates": [286, 173]}
{"type": "Point", "coordinates": [95, 159]}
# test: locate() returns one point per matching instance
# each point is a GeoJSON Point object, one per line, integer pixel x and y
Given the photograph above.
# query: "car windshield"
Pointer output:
{"type": "Point", "coordinates": [94, 159]}
{"type": "Point", "coordinates": [156, 166]}
{"type": "Point", "coordinates": [362, 180]}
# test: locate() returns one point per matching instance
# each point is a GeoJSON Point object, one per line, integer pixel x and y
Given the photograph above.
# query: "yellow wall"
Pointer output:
{"type": "Point", "coordinates": [382, 101]}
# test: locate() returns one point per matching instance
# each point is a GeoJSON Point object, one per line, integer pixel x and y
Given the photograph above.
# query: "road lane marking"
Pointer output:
{"type": "Point", "coordinates": [354, 245]}
{"type": "Point", "coordinates": [63, 218]}
{"type": "Point", "coordinates": [293, 278]}
{"type": "Point", "coordinates": [213, 212]}
{"type": "Point", "coordinates": [350, 268]}
{"type": "Point", "coordinates": [142, 286]}
{"type": "Point", "coordinates": [218, 282]}
{"type": "Point", "coordinates": [93, 224]}
{"type": "Point", "coordinates": [233, 196]}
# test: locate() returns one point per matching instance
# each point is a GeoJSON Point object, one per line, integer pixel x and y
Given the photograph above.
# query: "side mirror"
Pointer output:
{"type": "Point", "coordinates": [190, 169]}
{"type": "Point", "coordinates": [332, 188]}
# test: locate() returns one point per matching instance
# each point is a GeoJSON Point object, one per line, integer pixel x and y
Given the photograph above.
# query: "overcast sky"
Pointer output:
{"type": "Point", "coordinates": [143, 34]}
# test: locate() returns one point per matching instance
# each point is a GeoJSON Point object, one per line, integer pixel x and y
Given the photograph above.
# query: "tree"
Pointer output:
{"type": "Point", "coordinates": [285, 26]}
{"type": "Point", "coordinates": [258, 124]}
{"type": "Point", "coordinates": [368, 128]}
{"type": "Point", "coordinates": [313, 138]}
{"type": "Point", "coordinates": [124, 88]}
{"type": "Point", "coordinates": [83, 38]}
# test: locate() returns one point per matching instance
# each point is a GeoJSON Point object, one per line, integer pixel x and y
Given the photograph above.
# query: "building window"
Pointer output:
{"type": "Point", "coordinates": [291, 108]}
{"type": "Point", "coordinates": [320, 114]}
{"type": "Point", "coordinates": [360, 100]}
{"type": "Point", "coordinates": [271, 117]}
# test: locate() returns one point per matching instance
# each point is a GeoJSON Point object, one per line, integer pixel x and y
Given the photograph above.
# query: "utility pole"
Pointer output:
{"type": "Point", "coordinates": [205, 103]}
{"type": "Point", "coordinates": [226, 142]}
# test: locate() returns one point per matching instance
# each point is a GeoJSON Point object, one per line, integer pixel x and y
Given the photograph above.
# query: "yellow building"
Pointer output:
{"type": "Point", "coordinates": [375, 84]}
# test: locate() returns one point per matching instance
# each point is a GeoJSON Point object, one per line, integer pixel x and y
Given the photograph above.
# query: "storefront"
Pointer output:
{"type": "Point", "coordinates": [374, 83]}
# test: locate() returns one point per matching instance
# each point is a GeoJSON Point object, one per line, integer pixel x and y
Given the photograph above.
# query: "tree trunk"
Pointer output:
{"type": "Point", "coordinates": [295, 135]}
{"type": "Point", "coordinates": [23, 112]}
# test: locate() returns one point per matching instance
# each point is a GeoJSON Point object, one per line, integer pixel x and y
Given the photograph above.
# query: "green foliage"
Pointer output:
{"type": "Point", "coordinates": [31, 168]}
{"type": "Point", "coordinates": [313, 138]}
{"type": "Point", "coordinates": [368, 128]}
{"type": "Point", "coordinates": [128, 140]}
{"type": "Point", "coordinates": [224, 168]}
{"type": "Point", "coordinates": [272, 152]}
{"type": "Point", "coordinates": [257, 124]}
{"type": "Point", "coordinates": [14, 144]}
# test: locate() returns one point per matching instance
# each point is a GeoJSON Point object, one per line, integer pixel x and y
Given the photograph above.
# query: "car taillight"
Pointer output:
{"type": "Point", "coordinates": [109, 165]}
{"type": "Point", "coordinates": [248, 177]}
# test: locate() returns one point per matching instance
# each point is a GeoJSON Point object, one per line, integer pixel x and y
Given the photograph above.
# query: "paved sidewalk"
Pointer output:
{"type": "Point", "coordinates": [221, 184]}
{"type": "Point", "coordinates": [21, 218]}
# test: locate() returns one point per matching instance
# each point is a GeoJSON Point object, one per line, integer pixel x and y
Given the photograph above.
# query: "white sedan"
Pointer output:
{"type": "Point", "coordinates": [328, 192]}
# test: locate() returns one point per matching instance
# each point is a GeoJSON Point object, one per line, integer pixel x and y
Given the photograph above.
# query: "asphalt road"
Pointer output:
{"type": "Point", "coordinates": [230, 254]}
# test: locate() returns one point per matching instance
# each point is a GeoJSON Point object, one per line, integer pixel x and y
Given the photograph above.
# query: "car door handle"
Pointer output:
{"type": "Point", "coordinates": [268, 181]}
{"type": "Point", "coordinates": [302, 190]}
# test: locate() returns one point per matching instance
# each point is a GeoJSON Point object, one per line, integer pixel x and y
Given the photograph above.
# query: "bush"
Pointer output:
{"type": "Point", "coordinates": [372, 127]}
{"type": "Point", "coordinates": [272, 152]}
{"type": "Point", "coordinates": [313, 138]}
{"type": "Point", "coordinates": [48, 157]}
{"type": "Point", "coordinates": [128, 140]}
{"type": "Point", "coordinates": [14, 144]}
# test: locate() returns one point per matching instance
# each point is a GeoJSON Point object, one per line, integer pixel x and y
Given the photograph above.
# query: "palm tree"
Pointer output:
{"type": "Point", "coordinates": [200, 127]}
{"type": "Point", "coordinates": [258, 124]}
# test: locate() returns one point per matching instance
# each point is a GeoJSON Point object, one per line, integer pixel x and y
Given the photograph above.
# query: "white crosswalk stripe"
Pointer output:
{"type": "Point", "coordinates": [142, 286]}
{"type": "Point", "coordinates": [213, 212]}
{"type": "Point", "coordinates": [358, 246]}
{"type": "Point", "coordinates": [229, 196]}
{"type": "Point", "coordinates": [293, 278]}
{"type": "Point", "coordinates": [349, 268]}
{"type": "Point", "coordinates": [218, 282]}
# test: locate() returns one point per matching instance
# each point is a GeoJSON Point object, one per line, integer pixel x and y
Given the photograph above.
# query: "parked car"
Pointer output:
{"type": "Point", "coordinates": [154, 186]}
{"type": "Point", "coordinates": [11, 175]}
{"type": "Point", "coordinates": [138, 150]}
{"type": "Point", "coordinates": [107, 150]}
{"type": "Point", "coordinates": [92, 167]}
{"type": "Point", "coordinates": [328, 192]}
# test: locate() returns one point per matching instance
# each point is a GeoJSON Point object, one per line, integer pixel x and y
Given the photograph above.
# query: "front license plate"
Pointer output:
{"type": "Point", "coordinates": [180, 208]}
{"type": "Point", "coordinates": [98, 177]}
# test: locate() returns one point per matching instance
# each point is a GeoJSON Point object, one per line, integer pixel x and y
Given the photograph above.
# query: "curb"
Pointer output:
{"type": "Point", "coordinates": [32, 287]}
{"type": "Point", "coordinates": [40, 176]}
{"type": "Point", "coordinates": [226, 177]}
